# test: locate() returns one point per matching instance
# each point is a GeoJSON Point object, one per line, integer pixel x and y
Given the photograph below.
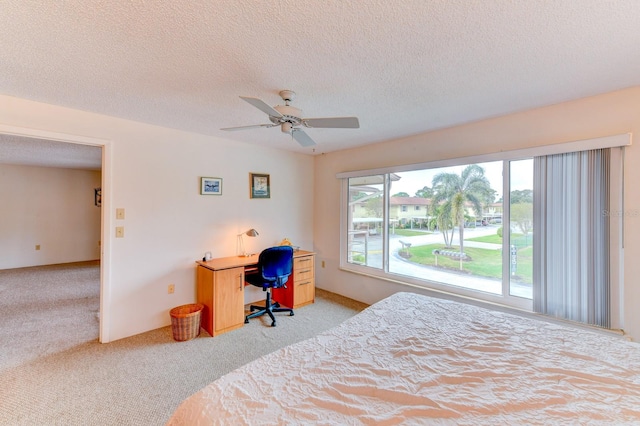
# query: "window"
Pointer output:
{"type": "Point", "coordinates": [364, 238]}
{"type": "Point", "coordinates": [475, 235]}
{"type": "Point", "coordinates": [521, 229]}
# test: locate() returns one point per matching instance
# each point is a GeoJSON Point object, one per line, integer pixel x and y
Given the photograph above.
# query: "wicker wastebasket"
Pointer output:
{"type": "Point", "coordinates": [185, 321]}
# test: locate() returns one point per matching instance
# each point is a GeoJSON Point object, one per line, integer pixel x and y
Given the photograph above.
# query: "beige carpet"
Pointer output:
{"type": "Point", "coordinates": [53, 371]}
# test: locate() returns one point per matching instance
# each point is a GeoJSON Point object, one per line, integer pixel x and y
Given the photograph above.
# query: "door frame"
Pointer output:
{"type": "Point", "coordinates": [105, 213]}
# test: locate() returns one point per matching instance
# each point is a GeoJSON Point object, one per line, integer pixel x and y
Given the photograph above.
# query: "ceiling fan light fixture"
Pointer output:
{"type": "Point", "coordinates": [286, 127]}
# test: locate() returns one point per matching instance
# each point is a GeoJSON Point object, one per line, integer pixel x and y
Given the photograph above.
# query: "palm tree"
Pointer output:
{"type": "Point", "coordinates": [454, 191]}
{"type": "Point", "coordinates": [442, 221]}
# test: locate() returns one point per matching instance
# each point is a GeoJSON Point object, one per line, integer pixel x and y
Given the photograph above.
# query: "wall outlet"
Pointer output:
{"type": "Point", "coordinates": [171, 288]}
{"type": "Point", "coordinates": [37, 246]}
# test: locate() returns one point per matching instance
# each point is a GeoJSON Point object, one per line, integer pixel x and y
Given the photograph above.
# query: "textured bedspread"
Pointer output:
{"type": "Point", "coordinates": [411, 359]}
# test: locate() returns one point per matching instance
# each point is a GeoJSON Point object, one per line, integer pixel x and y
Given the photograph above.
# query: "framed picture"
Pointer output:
{"type": "Point", "coordinates": [260, 187]}
{"type": "Point", "coordinates": [210, 186]}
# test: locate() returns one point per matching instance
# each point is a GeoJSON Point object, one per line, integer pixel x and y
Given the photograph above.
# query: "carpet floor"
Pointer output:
{"type": "Point", "coordinates": [53, 370]}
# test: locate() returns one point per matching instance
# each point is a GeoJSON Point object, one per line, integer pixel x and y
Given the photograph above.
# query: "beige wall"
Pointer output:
{"type": "Point", "coordinates": [153, 174]}
{"type": "Point", "coordinates": [604, 115]}
{"type": "Point", "coordinates": [50, 207]}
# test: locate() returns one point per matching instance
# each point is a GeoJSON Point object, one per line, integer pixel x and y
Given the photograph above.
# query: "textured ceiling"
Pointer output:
{"type": "Point", "coordinates": [402, 67]}
{"type": "Point", "coordinates": [45, 153]}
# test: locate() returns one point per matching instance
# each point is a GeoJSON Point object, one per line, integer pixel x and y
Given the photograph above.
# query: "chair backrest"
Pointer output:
{"type": "Point", "coordinates": [276, 264]}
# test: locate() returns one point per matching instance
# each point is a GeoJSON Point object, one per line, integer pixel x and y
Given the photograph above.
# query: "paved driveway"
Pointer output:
{"type": "Point", "coordinates": [399, 265]}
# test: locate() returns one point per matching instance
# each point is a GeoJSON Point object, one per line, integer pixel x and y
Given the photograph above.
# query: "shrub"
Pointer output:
{"type": "Point", "coordinates": [499, 232]}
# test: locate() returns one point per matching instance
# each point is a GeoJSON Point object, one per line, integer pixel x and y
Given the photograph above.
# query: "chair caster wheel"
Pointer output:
{"type": "Point", "coordinates": [273, 324]}
{"type": "Point", "coordinates": [246, 321]}
{"type": "Point", "coordinates": [291, 314]}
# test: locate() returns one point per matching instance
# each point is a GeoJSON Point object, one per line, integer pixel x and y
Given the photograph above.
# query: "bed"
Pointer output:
{"type": "Point", "coordinates": [412, 359]}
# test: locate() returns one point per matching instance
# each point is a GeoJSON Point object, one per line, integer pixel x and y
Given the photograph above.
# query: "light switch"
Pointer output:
{"type": "Point", "coordinates": [119, 231]}
{"type": "Point", "coordinates": [120, 214]}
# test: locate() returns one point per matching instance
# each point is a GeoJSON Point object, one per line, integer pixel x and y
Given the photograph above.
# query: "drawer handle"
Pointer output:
{"type": "Point", "coordinates": [304, 260]}
{"type": "Point", "coordinates": [305, 283]}
{"type": "Point", "coordinates": [304, 271]}
{"type": "Point", "coordinates": [240, 281]}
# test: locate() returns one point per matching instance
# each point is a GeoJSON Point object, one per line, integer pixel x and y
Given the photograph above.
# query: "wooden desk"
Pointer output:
{"type": "Point", "coordinates": [220, 288]}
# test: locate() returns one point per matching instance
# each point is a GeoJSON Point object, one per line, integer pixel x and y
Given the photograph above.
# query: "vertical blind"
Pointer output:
{"type": "Point", "coordinates": [571, 275]}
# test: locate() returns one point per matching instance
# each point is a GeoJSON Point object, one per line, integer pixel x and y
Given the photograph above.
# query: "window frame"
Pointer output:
{"type": "Point", "coordinates": [505, 156]}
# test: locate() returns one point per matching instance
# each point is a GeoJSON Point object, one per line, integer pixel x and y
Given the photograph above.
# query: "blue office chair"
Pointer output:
{"type": "Point", "coordinates": [275, 264]}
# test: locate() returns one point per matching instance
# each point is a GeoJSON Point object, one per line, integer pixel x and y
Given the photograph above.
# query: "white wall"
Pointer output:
{"type": "Point", "coordinates": [50, 207]}
{"type": "Point", "coordinates": [604, 115]}
{"type": "Point", "coordinates": [168, 225]}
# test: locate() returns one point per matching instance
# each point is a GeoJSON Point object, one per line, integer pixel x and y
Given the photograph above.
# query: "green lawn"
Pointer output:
{"type": "Point", "coordinates": [518, 240]}
{"type": "Point", "coordinates": [484, 263]}
{"type": "Point", "coordinates": [493, 238]}
{"type": "Point", "coordinates": [521, 241]}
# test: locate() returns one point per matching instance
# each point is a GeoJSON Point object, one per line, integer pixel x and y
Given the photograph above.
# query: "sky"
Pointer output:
{"type": "Point", "coordinates": [521, 177]}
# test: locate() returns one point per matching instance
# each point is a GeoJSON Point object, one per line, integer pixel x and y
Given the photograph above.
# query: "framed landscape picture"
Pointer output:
{"type": "Point", "coordinates": [210, 186]}
{"type": "Point", "coordinates": [260, 187]}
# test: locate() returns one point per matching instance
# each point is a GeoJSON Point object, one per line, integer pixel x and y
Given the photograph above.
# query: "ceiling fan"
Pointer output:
{"type": "Point", "coordinates": [290, 119]}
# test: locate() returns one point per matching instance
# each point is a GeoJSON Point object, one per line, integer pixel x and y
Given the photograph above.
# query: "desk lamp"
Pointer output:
{"type": "Point", "coordinates": [251, 233]}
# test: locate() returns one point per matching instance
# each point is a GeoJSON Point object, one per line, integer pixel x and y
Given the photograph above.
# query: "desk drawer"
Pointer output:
{"type": "Point", "coordinates": [303, 268]}
{"type": "Point", "coordinates": [303, 281]}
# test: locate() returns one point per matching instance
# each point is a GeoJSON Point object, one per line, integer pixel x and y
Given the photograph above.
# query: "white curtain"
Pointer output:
{"type": "Point", "coordinates": [571, 275]}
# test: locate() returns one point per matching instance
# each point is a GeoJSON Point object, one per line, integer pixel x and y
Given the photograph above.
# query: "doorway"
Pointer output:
{"type": "Point", "coordinates": [34, 142]}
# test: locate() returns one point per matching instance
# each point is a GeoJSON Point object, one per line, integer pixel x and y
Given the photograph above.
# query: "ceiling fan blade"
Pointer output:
{"type": "Point", "coordinates": [247, 127]}
{"type": "Point", "coordinates": [262, 106]}
{"type": "Point", "coordinates": [302, 138]}
{"type": "Point", "coordinates": [333, 122]}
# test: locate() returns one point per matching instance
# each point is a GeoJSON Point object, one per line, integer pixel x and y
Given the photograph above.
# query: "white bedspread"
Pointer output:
{"type": "Point", "coordinates": [411, 359]}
